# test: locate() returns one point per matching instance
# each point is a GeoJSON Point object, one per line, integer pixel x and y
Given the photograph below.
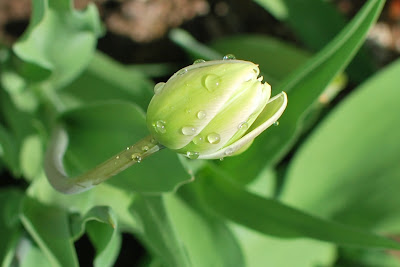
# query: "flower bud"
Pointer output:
{"type": "Point", "coordinates": [213, 109]}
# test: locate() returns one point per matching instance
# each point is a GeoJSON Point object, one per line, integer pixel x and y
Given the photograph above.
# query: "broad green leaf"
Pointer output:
{"type": "Point", "coordinates": [269, 251]}
{"type": "Point", "coordinates": [277, 59]}
{"type": "Point", "coordinates": [202, 235]}
{"type": "Point", "coordinates": [49, 227]}
{"type": "Point", "coordinates": [59, 41]}
{"type": "Point", "coordinates": [10, 229]}
{"type": "Point", "coordinates": [157, 231]}
{"type": "Point", "coordinates": [268, 216]}
{"type": "Point", "coordinates": [105, 79]}
{"type": "Point", "coordinates": [31, 256]}
{"type": "Point", "coordinates": [304, 87]}
{"type": "Point", "coordinates": [99, 131]}
{"type": "Point", "coordinates": [315, 23]}
{"type": "Point", "coordinates": [353, 168]}
{"type": "Point", "coordinates": [101, 225]}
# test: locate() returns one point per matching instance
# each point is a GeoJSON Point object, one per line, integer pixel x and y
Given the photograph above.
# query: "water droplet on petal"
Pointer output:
{"type": "Point", "coordinates": [228, 151]}
{"type": "Point", "coordinates": [189, 130]}
{"type": "Point", "coordinates": [211, 82]}
{"type": "Point", "coordinates": [198, 140]}
{"type": "Point", "coordinates": [213, 138]}
{"type": "Point", "coordinates": [182, 71]}
{"type": "Point", "coordinates": [192, 155]}
{"type": "Point", "coordinates": [158, 87]}
{"type": "Point", "coordinates": [159, 126]}
{"type": "Point", "coordinates": [197, 61]}
{"type": "Point", "coordinates": [127, 148]}
{"type": "Point", "coordinates": [229, 57]}
{"type": "Point", "coordinates": [145, 148]}
{"type": "Point", "coordinates": [201, 114]}
{"type": "Point", "coordinates": [276, 123]}
{"type": "Point", "coordinates": [117, 157]}
{"type": "Point", "coordinates": [243, 126]}
{"type": "Point", "coordinates": [136, 157]}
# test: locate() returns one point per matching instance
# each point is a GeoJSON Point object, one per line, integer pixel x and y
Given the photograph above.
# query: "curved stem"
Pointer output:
{"type": "Point", "coordinates": [58, 178]}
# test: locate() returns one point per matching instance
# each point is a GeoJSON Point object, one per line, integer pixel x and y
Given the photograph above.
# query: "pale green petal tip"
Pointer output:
{"type": "Point", "coordinates": [279, 103]}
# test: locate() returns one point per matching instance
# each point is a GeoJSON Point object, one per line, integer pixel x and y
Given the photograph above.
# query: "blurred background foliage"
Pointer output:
{"type": "Point", "coordinates": [320, 189]}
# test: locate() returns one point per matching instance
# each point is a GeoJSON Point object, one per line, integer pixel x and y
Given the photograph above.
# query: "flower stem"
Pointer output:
{"type": "Point", "coordinates": [58, 178]}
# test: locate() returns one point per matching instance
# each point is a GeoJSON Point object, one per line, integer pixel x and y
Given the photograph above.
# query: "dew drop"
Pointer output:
{"type": "Point", "coordinates": [197, 61]}
{"type": "Point", "coordinates": [127, 148]}
{"type": "Point", "coordinates": [136, 157]}
{"type": "Point", "coordinates": [198, 140]}
{"type": "Point", "coordinates": [201, 114]}
{"type": "Point", "coordinates": [160, 126]}
{"type": "Point", "coordinates": [228, 151]}
{"type": "Point", "coordinates": [158, 87]}
{"type": "Point", "coordinates": [145, 148]}
{"type": "Point", "coordinates": [213, 138]}
{"type": "Point", "coordinates": [229, 57]}
{"type": "Point", "coordinates": [181, 72]}
{"type": "Point", "coordinates": [192, 155]}
{"type": "Point", "coordinates": [189, 130]}
{"type": "Point", "coordinates": [276, 123]}
{"type": "Point", "coordinates": [221, 159]}
{"type": "Point", "coordinates": [243, 126]}
{"type": "Point", "coordinates": [188, 110]}
{"type": "Point", "coordinates": [117, 157]}
{"type": "Point", "coordinates": [211, 82]}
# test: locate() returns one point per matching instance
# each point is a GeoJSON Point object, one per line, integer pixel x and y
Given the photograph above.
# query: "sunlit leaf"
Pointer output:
{"type": "Point", "coordinates": [49, 227]}
{"type": "Point", "coordinates": [357, 150]}
{"type": "Point", "coordinates": [271, 217]}
{"type": "Point", "coordinates": [58, 42]}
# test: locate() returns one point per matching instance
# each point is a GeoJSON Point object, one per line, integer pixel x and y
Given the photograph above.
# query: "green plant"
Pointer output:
{"type": "Point", "coordinates": [333, 201]}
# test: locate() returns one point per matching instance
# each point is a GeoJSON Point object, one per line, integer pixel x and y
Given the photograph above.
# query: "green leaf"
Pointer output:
{"type": "Point", "coordinates": [31, 167]}
{"type": "Point", "coordinates": [105, 79]}
{"type": "Point", "coordinates": [31, 256]}
{"type": "Point", "coordinates": [277, 59]}
{"type": "Point", "coordinates": [192, 46]}
{"type": "Point", "coordinates": [202, 235]}
{"type": "Point", "coordinates": [99, 131]}
{"type": "Point", "coordinates": [10, 229]}
{"type": "Point", "coordinates": [304, 87]}
{"type": "Point", "coordinates": [274, 251]}
{"type": "Point", "coordinates": [49, 227]}
{"type": "Point", "coordinates": [158, 232]}
{"type": "Point", "coordinates": [8, 150]}
{"type": "Point", "coordinates": [101, 225]}
{"type": "Point", "coordinates": [268, 216]}
{"type": "Point", "coordinates": [316, 23]}
{"type": "Point", "coordinates": [58, 42]}
{"type": "Point", "coordinates": [353, 169]}
{"type": "Point", "coordinates": [367, 257]}
{"type": "Point", "coordinates": [102, 195]}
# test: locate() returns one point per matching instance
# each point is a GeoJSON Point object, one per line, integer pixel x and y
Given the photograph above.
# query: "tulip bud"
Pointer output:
{"type": "Point", "coordinates": [213, 109]}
